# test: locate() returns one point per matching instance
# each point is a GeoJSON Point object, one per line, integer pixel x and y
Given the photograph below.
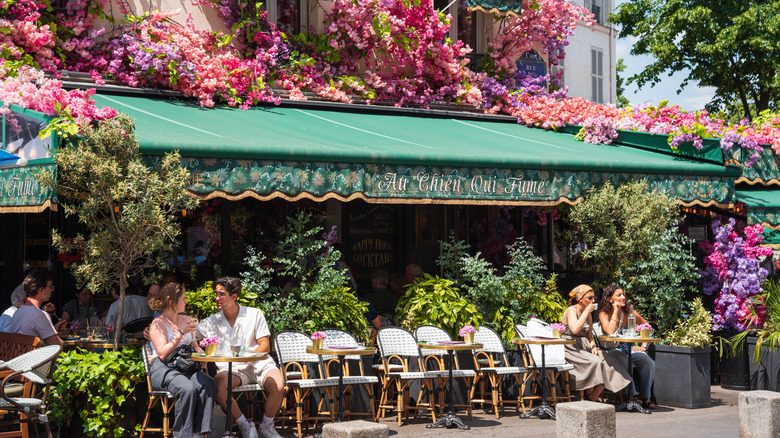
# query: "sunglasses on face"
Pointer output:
{"type": "Point", "coordinates": [591, 298]}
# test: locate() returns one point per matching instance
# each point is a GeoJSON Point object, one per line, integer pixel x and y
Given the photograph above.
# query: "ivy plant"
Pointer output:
{"type": "Point", "coordinates": [108, 381]}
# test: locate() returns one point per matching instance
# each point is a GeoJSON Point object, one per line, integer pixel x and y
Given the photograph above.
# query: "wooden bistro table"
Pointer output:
{"type": "Point", "coordinates": [543, 409]}
{"type": "Point", "coordinates": [99, 343]}
{"type": "Point", "coordinates": [630, 405]}
{"type": "Point", "coordinates": [247, 357]}
{"type": "Point", "coordinates": [450, 419]}
{"type": "Point", "coordinates": [341, 353]}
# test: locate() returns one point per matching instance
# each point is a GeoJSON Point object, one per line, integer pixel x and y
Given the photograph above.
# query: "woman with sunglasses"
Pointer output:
{"type": "Point", "coordinates": [613, 315]}
{"type": "Point", "coordinates": [592, 370]}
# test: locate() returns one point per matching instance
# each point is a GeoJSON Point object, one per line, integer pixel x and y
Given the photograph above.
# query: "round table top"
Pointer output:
{"type": "Point", "coordinates": [543, 341]}
{"type": "Point", "coordinates": [247, 357]}
{"type": "Point", "coordinates": [100, 343]}
{"type": "Point", "coordinates": [628, 339]}
{"type": "Point", "coordinates": [329, 351]}
{"type": "Point", "coordinates": [447, 346]}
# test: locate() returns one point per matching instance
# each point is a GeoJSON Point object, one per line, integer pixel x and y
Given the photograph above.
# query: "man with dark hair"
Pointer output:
{"type": "Point", "coordinates": [83, 307]}
{"type": "Point", "coordinates": [240, 325]}
{"type": "Point", "coordinates": [136, 307]}
{"type": "Point", "coordinates": [381, 297]}
{"type": "Point", "coordinates": [30, 319]}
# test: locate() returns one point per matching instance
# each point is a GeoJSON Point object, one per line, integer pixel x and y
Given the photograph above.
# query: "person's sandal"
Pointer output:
{"type": "Point", "coordinates": [648, 404]}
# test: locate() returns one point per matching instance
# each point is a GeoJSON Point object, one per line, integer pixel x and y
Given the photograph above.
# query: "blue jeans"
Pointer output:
{"type": "Point", "coordinates": [646, 366]}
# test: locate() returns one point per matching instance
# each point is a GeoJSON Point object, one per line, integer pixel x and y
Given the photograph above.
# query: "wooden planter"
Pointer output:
{"type": "Point", "coordinates": [682, 376]}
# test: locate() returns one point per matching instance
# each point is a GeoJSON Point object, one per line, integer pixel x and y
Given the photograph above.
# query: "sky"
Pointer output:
{"type": "Point", "coordinates": [692, 98]}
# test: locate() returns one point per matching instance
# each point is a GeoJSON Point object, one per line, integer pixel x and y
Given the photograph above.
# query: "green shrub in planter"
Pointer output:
{"type": "Point", "coordinates": [107, 380]}
{"type": "Point", "coordinates": [682, 371]}
{"type": "Point", "coordinates": [436, 301]}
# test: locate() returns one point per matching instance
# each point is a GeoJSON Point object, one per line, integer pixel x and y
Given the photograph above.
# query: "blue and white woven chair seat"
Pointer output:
{"type": "Point", "coordinates": [357, 380]}
{"type": "Point", "coordinates": [502, 371]}
{"type": "Point", "coordinates": [248, 388]}
{"type": "Point", "coordinates": [413, 375]}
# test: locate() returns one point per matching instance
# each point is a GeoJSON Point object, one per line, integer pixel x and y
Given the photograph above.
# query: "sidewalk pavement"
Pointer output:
{"type": "Point", "coordinates": [721, 421]}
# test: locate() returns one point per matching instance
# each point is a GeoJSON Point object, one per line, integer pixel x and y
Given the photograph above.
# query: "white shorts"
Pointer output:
{"type": "Point", "coordinates": [261, 369]}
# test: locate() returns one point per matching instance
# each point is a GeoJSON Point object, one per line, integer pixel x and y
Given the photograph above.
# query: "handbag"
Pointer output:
{"type": "Point", "coordinates": [553, 354]}
{"type": "Point", "coordinates": [181, 359]}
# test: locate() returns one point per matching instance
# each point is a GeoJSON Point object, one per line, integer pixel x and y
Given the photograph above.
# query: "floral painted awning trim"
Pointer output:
{"type": "Point", "coordinates": [429, 184]}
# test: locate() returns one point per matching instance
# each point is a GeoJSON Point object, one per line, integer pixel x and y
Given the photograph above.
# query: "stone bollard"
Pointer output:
{"type": "Point", "coordinates": [759, 414]}
{"type": "Point", "coordinates": [355, 429]}
{"type": "Point", "coordinates": [585, 419]}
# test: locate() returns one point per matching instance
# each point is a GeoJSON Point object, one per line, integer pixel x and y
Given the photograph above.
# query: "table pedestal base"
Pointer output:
{"type": "Point", "coordinates": [633, 406]}
{"type": "Point", "coordinates": [541, 411]}
{"type": "Point", "coordinates": [449, 420]}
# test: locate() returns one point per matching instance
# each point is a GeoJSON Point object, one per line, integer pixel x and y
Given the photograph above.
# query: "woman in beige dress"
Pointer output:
{"type": "Point", "coordinates": [592, 370]}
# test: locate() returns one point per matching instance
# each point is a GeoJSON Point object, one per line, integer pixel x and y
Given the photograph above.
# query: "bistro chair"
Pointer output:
{"type": "Point", "coordinates": [487, 361]}
{"type": "Point", "coordinates": [290, 347]}
{"type": "Point", "coordinates": [13, 345]}
{"type": "Point", "coordinates": [36, 366]}
{"type": "Point", "coordinates": [432, 334]}
{"type": "Point", "coordinates": [555, 370]}
{"type": "Point", "coordinates": [340, 337]}
{"type": "Point", "coordinates": [398, 346]}
{"type": "Point", "coordinates": [156, 395]}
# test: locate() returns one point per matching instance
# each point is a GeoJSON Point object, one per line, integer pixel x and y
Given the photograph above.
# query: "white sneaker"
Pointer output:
{"type": "Point", "coordinates": [248, 430]}
{"type": "Point", "coordinates": [267, 431]}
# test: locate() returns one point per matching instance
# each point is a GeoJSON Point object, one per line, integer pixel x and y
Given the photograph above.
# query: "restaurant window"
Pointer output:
{"type": "Point", "coordinates": [465, 25]}
{"type": "Point", "coordinates": [597, 75]}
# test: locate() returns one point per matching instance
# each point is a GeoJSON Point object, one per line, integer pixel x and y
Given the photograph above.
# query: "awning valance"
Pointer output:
{"type": "Point", "coordinates": [765, 172]}
{"type": "Point", "coordinates": [295, 152]}
{"type": "Point", "coordinates": [20, 191]}
{"type": "Point", "coordinates": [500, 7]}
{"type": "Point", "coordinates": [763, 206]}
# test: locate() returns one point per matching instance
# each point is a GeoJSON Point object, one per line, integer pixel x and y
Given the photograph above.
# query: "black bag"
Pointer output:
{"type": "Point", "coordinates": [181, 359]}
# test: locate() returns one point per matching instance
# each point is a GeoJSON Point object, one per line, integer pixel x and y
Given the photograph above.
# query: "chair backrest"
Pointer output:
{"type": "Point", "coordinates": [37, 363]}
{"type": "Point", "coordinates": [15, 344]}
{"type": "Point", "coordinates": [398, 342]}
{"type": "Point", "coordinates": [433, 334]}
{"type": "Point", "coordinates": [521, 330]}
{"type": "Point", "coordinates": [341, 338]}
{"type": "Point", "coordinates": [492, 345]}
{"type": "Point", "coordinates": [290, 348]}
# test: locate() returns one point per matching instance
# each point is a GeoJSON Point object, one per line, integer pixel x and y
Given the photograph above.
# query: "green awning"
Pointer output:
{"type": "Point", "coordinates": [293, 152]}
{"type": "Point", "coordinates": [766, 171]}
{"type": "Point", "coordinates": [763, 206]}
{"type": "Point", "coordinates": [20, 191]}
{"type": "Point", "coordinates": [500, 7]}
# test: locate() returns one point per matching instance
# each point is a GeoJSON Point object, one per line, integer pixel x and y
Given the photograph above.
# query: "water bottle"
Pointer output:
{"type": "Point", "coordinates": [631, 329]}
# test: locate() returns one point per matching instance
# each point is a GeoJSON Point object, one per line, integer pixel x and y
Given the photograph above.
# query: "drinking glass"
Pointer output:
{"type": "Point", "coordinates": [236, 349]}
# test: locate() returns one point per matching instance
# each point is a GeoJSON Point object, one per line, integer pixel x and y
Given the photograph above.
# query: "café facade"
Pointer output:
{"type": "Point", "coordinates": [394, 182]}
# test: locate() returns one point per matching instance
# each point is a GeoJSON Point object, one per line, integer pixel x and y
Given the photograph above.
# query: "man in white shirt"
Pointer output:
{"type": "Point", "coordinates": [136, 307]}
{"type": "Point", "coordinates": [30, 319]}
{"type": "Point", "coordinates": [245, 326]}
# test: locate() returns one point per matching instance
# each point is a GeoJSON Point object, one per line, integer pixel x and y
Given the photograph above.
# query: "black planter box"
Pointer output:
{"type": "Point", "coordinates": [682, 376]}
{"type": "Point", "coordinates": [764, 374]}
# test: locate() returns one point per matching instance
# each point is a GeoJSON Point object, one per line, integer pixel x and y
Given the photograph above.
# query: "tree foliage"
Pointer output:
{"type": "Point", "coordinates": [128, 207]}
{"type": "Point", "coordinates": [731, 45]}
{"type": "Point", "coordinates": [632, 239]}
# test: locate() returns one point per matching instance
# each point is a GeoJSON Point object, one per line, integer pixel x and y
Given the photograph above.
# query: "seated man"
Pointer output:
{"type": "Point", "coordinates": [17, 299]}
{"type": "Point", "coordinates": [246, 325]}
{"type": "Point", "coordinates": [30, 319]}
{"type": "Point", "coordinates": [83, 307]}
{"type": "Point", "coordinates": [136, 307]}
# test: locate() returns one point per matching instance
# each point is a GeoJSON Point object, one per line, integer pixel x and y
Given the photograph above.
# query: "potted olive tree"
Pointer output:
{"type": "Point", "coordinates": [682, 363]}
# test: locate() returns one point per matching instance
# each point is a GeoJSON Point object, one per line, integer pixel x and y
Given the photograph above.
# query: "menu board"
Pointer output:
{"type": "Point", "coordinates": [371, 231]}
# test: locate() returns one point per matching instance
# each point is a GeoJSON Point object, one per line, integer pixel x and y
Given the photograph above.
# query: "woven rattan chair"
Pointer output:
{"type": "Point", "coordinates": [431, 334]}
{"type": "Point", "coordinates": [13, 345]}
{"type": "Point", "coordinates": [555, 371]}
{"type": "Point", "coordinates": [37, 367]}
{"type": "Point", "coordinates": [156, 395]}
{"type": "Point", "coordinates": [487, 360]}
{"type": "Point", "coordinates": [398, 346]}
{"type": "Point", "coordinates": [340, 337]}
{"type": "Point", "coordinates": [290, 347]}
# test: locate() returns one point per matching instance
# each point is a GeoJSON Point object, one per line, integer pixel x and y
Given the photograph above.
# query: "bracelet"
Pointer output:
{"type": "Point", "coordinates": [180, 332]}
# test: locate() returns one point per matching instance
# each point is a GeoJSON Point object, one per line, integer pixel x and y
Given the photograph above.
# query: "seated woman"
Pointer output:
{"type": "Point", "coordinates": [613, 315]}
{"type": "Point", "coordinates": [194, 392]}
{"type": "Point", "coordinates": [592, 370]}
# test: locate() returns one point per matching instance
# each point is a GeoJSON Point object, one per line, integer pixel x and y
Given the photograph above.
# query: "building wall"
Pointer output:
{"type": "Point", "coordinates": [578, 62]}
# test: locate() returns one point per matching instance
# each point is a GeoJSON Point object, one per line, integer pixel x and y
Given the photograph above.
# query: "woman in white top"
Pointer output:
{"type": "Point", "coordinates": [613, 315]}
{"type": "Point", "coordinates": [194, 392]}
